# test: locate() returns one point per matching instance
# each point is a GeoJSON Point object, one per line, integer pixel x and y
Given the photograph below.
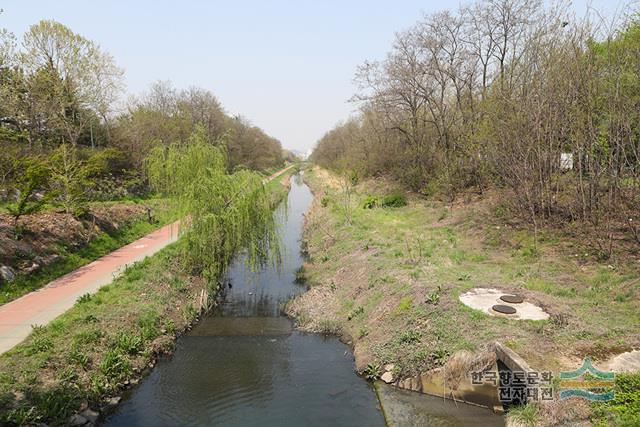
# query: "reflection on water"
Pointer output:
{"type": "Point", "coordinates": [245, 366]}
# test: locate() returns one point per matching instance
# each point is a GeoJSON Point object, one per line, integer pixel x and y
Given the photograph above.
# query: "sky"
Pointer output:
{"type": "Point", "coordinates": [285, 65]}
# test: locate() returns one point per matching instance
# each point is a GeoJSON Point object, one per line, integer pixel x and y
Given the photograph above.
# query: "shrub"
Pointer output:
{"type": "Point", "coordinates": [394, 200]}
{"type": "Point", "coordinates": [624, 409]}
{"type": "Point", "coordinates": [370, 202]}
{"type": "Point", "coordinates": [35, 176]}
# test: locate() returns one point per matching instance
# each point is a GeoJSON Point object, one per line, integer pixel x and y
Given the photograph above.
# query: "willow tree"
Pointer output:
{"type": "Point", "coordinates": [224, 213]}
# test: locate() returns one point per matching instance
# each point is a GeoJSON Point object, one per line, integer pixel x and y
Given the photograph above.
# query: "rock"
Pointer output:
{"type": "Point", "coordinates": [77, 420]}
{"type": "Point", "coordinates": [7, 274]}
{"type": "Point", "coordinates": [34, 266]}
{"type": "Point", "coordinates": [111, 403]}
{"type": "Point", "coordinates": [387, 377]}
{"type": "Point", "coordinates": [389, 367]}
{"type": "Point", "coordinates": [90, 415]}
{"type": "Point", "coordinates": [46, 260]}
{"type": "Point", "coordinates": [114, 401]}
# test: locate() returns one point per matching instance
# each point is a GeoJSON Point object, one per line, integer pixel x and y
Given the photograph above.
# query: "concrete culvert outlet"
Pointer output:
{"type": "Point", "coordinates": [484, 299]}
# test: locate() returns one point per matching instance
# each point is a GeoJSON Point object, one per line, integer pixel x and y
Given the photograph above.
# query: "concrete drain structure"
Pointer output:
{"type": "Point", "coordinates": [503, 309]}
{"type": "Point", "coordinates": [495, 302]}
{"type": "Point", "coordinates": [512, 299]}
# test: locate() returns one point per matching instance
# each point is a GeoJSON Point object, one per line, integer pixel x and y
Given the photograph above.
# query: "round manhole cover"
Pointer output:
{"type": "Point", "coordinates": [503, 309]}
{"type": "Point", "coordinates": [512, 299]}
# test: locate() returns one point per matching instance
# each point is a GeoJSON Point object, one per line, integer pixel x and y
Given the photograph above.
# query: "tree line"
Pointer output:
{"type": "Point", "coordinates": [66, 137]}
{"type": "Point", "coordinates": [513, 94]}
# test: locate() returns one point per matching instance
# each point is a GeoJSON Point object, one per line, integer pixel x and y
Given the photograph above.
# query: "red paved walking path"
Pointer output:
{"type": "Point", "coordinates": [42, 306]}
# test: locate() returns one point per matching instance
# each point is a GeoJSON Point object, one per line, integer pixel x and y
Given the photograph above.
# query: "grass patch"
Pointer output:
{"type": "Point", "coordinates": [87, 352]}
{"type": "Point", "coordinates": [624, 409]}
{"type": "Point", "coordinates": [434, 252]}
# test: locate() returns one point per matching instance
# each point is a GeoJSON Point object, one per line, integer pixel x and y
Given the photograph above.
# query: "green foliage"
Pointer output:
{"type": "Point", "coordinates": [358, 311]}
{"type": "Point", "coordinates": [149, 323]}
{"type": "Point", "coordinates": [301, 275]}
{"type": "Point", "coordinates": [84, 298]}
{"type": "Point", "coordinates": [434, 297]}
{"type": "Point", "coordinates": [227, 212]}
{"type": "Point", "coordinates": [525, 415]}
{"type": "Point", "coordinates": [76, 356]}
{"type": "Point", "coordinates": [370, 202]}
{"type": "Point", "coordinates": [129, 343]}
{"type": "Point", "coordinates": [57, 403]}
{"type": "Point", "coordinates": [404, 305]}
{"type": "Point", "coordinates": [372, 372]}
{"type": "Point", "coordinates": [115, 366]}
{"type": "Point", "coordinates": [73, 177]}
{"type": "Point", "coordinates": [409, 337]}
{"type": "Point", "coordinates": [624, 409]}
{"type": "Point", "coordinates": [34, 176]}
{"type": "Point", "coordinates": [395, 200]}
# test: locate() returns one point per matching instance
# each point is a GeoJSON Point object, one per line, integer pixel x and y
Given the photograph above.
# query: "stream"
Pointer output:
{"type": "Point", "coordinates": [246, 365]}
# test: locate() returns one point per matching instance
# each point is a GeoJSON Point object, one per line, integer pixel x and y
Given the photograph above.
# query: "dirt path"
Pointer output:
{"type": "Point", "coordinates": [42, 306]}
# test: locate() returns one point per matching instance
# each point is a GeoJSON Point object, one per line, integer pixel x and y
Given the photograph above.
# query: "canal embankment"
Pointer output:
{"type": "Point", "coordinates": [389, 280]}
{"type": "Point", "coordinates": [77, 367]}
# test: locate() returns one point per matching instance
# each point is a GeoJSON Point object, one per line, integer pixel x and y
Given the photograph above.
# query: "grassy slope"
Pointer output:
{"type": "Point", "coordinates": [392, 278]}
{"type": "Point", "coordinates": [102, 244]}
{"type": "Point", "coordinates": [103, 342]}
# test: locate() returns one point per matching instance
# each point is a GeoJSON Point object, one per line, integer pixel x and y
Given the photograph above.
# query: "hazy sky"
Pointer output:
{"type": "Point", "coordinates": [285, 65]}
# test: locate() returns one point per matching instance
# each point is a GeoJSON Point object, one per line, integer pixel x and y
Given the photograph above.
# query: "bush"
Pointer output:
{"type": "Point", "coordinates": [624, 409]}
{"type": "Point", "coordinates": [395, 200]}
{"type": "Point", "coordinates": [34, 176]}
{"type": "Point", "coordinates": [370, 202]}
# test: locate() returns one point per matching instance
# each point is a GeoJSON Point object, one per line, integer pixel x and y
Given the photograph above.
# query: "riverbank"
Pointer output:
{"type": "Point", "coordinates": [80, 364]}
{"type": "Point", "coordinates": [389, 279]}
{"type": "Point", "coordinates": [52, 244]}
